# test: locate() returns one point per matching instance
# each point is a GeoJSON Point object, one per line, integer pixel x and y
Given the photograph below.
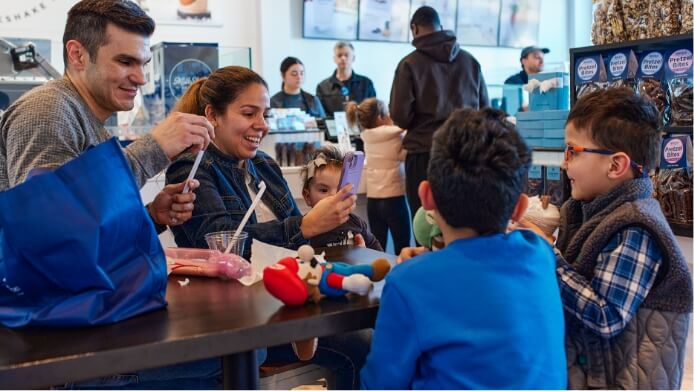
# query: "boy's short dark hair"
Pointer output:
{"type": "Point", "coordinates": [477, 169]}
{"type": "Point", "coordinates": [619, 120]}
{"type": "Point", "coordinates": [87, 21]}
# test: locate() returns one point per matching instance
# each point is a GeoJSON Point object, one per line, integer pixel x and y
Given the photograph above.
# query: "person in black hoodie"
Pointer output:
{"type": "Point", "coordinates": [430, 83]}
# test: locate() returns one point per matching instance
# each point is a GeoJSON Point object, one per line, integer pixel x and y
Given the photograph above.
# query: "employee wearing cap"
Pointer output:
{"type": "Point", "coordinates": [532, 62]}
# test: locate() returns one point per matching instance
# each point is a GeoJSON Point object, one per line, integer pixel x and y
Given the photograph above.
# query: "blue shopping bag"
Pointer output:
{"type": "Point", "coordinates": [77, 246]}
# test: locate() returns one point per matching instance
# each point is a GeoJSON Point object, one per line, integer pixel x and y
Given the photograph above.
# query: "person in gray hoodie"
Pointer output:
{"type": "Point", "coordinates": [429, 84]}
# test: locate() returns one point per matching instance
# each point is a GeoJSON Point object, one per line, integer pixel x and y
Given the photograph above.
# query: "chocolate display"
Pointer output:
{"type": "Point", "coordinates": [534, 186]}
{"type": "Point", "coordinates": [585, 89]}
{"type": "Point", "coordinates": [680, 94]}
{"type": "Point", "coordinates": [687, 12]}
{"type": "Point", "coordinates": [653, 90]}
{"type": "Point", "coordinates": [675, 194]}
{"type": "Point", "coordinates": [664, 18]}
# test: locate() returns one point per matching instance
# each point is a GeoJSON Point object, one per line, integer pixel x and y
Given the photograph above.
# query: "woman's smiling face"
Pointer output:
{"type": "Point", "coordinates": [243, 124]}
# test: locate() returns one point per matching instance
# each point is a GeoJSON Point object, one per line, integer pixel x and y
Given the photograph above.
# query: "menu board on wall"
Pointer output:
{"type": "Point", "coordinates": [193, 12]}
{"type": "Point", "coordinates": [478, 22]}
{"type": "Point", "coordinates": [384, 20]}
{"type": "Point", "coordinates": [445, 8]}
{"type": "Point", "coordinates": [519, 23]}
{"type": "Point", "coordinates": [330, 19]}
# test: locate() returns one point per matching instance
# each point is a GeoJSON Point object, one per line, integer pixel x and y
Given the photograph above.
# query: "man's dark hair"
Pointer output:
{"type": "Point", "coordinates": [87, 21]}
{"type": "Point", "coordinates": [618, 120]}
{"type": "Point", "coordinates": [477, 169]}
{"type": "Point", "coordinates": [426, 16]}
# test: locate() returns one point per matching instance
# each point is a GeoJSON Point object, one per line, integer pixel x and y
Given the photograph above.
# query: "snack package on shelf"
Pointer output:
{"type": "Point", "coordinates": [608, 22]}
{"type": "Point", "coordinates": [615, 18]}
{"type": "Point", "coordinates": [678, 74]}
{"type": "Point", "coordinates": [599, 32]}
{"type": "Point", "coordinates": [674, 179]}
{"type": "Point", "coordinates": [664, 18]}
{"type": "Point", "coordinates": [622, 66]}
{"type": "Point", "coordinates": [687, 20]}
{"type": "Point", "coordinates": [590, 75]}
{"type": "Point", "coordinates": [636, 17]}
{"type": "Point", "coordinates": [650, 80]}
{"type": "Point", "coordinates": [534, 186]}
{"type": "Point", "coordinates": [553, 186]}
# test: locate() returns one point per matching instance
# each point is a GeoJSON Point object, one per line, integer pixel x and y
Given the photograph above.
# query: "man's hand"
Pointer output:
{"type": "Point", "coordinates": [179, 131]}
{"type": "Point", "coordinates": [329, 213]}
{"type": "Point", "coordinates": [410, 252]}
{"type": "Point", "coordinates": [170, 207]}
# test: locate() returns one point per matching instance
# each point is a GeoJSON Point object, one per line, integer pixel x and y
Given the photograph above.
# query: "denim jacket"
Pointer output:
{"type": "Point", "coordinates": [222, 199]}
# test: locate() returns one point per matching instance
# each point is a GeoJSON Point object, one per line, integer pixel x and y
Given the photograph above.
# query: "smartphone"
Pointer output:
{"type": "Point", "coordinates": [352, 167]}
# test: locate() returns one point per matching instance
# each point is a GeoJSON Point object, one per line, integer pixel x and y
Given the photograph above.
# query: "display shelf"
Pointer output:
{"type": "Point", "coordinates": [679, 130]}
{"type": "Point", "coordinates": [671, 42]}
{"type": "Point", "coordinates": [681, 229]}
{"type": "Point", "coordinates": [547, 157]}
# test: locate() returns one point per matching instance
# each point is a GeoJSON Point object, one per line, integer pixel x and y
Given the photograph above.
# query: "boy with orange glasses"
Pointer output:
{"type": "Point", "coordinates": [625, 286]}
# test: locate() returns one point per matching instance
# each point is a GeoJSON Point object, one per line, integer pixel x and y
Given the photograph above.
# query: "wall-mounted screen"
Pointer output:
{"type": "Point", "coordinates": [519, 23]}
{"type": "Point", "coordinates": [445, 8]}
{"type": "Point", "coordinates": [384, 20]}
{"type": "Point", "coordinates": [478, 22]}
{"type": "Point", "coordinates": [331, 19]}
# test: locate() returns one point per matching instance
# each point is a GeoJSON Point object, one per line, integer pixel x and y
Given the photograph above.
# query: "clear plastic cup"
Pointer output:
{"type": "Point", "coordinates": [220, 240]}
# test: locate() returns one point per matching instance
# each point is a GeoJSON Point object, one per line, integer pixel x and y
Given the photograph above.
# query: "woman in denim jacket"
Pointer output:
{"type": "Point", "coordinates": [236, 101]}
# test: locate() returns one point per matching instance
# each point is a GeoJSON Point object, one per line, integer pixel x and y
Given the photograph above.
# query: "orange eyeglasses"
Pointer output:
{"type": "Point", "coordinates": [570, 150]}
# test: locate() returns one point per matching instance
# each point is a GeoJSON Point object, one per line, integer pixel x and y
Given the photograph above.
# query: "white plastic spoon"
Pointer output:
{"type": "Point", "coordinates": [239, 229]}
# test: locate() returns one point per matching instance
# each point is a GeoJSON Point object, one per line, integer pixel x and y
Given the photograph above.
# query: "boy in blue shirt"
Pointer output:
{"type": "Point", "coordinates": [484, 312]}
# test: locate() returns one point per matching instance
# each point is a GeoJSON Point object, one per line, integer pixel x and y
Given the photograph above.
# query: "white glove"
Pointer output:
{"type": "Point", "coordinates": [357, 283]}
{"type": "Point", "coordinates": [532, 84]}
{"type": "Point", "coordinates": [548, 84]}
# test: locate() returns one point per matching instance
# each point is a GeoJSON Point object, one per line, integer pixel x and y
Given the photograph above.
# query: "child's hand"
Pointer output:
{"type": "Point", "coordinates": [359, 240]}
{"type": "Point", "coordinates": [329, 213]}
{"type": "Point", "coordinates": [523, 223]}
{"type": "Point", "coordinates": [411, 252]}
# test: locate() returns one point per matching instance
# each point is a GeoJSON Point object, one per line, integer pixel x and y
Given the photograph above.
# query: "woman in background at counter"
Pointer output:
{"type": "Point", "coordinates": [236, 101]}
{"type": "Point", "coordinates": [292, 95]}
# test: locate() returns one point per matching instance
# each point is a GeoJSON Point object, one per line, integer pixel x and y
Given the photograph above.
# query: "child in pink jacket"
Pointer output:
{"type": "Point", "coordinates": [386, 204]}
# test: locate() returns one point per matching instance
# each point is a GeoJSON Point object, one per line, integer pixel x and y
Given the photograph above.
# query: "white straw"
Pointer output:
{"type": "Point", "coordinates": [239, 229]}
{"type": "Point", "coordinates": [198, 159]}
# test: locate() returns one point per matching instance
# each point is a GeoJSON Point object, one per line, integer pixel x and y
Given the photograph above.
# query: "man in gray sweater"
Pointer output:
{"type": "Point", "coordinates": [106, 46]}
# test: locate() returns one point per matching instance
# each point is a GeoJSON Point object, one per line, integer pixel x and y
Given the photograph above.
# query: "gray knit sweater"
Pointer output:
{"type": "Point", "coordinates": [51, 125]}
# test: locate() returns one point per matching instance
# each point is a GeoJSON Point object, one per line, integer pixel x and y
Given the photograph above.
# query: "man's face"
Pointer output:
{"type": "Point", "coordinates": [534, 62]}
{"type": "Point", "coordinates": [113, 79]}
{"type": "Point", "coordinates": [344, 58]}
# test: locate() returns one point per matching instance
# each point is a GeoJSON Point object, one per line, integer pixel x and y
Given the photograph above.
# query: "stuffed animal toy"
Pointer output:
{"type": "Point", "coordinates": [296, 280]}
{"type": "Point", "coordinates": [426, 231]}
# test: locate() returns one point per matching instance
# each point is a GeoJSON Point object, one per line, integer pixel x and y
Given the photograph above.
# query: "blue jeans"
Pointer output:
{"type": "Point", "coordinates": [344, 355]}
{"type": "Point", "coordinates": [201, 375]}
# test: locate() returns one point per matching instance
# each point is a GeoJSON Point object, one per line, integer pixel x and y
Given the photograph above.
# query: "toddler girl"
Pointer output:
{"type": "Point", "coordinates": [386, 204]}
{"type": "Point", "coordinates": [321, 177]}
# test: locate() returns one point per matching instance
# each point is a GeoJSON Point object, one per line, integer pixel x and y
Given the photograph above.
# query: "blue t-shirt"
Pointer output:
{"type": "Point", "coordinates": [482, 313]}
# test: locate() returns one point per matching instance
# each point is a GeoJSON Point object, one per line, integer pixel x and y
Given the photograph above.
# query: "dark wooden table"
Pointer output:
{"type": "Point", "coordinates": [207, 318]}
